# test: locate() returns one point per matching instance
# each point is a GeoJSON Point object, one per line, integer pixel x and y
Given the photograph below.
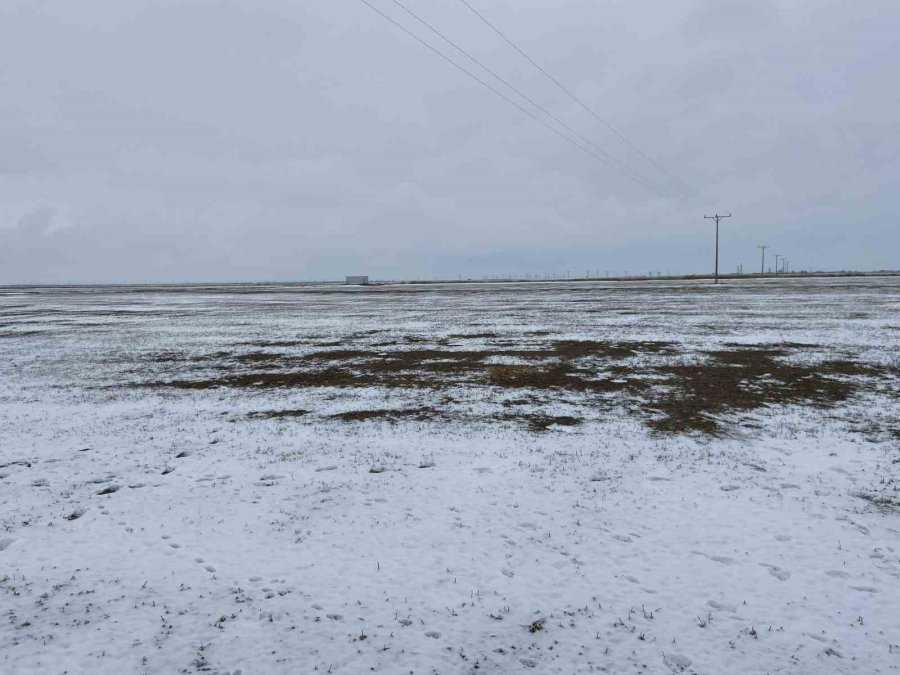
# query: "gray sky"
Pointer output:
{"type": "Point", "coordinates": [188, 140]}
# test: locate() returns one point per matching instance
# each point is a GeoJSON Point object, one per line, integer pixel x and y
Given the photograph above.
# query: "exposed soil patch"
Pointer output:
{"type": "Point", "coordinates": [474, 336]}
{"type": "Point", "coordinates": [278, 414]}
{"type": "Point", "coordinates": [391, 415]}
{"type": "Point", "coordinates": [538, 423]}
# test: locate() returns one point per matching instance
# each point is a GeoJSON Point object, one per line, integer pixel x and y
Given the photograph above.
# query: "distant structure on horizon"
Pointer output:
{"type": "Point", "coordinates": [357, 281]}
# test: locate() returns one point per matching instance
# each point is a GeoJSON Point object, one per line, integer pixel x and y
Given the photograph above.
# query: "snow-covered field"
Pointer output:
{"type": "Point", "coordinates": [555, 478]}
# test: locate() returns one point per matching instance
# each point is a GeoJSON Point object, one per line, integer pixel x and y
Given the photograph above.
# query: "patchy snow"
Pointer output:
{"type": "Point", "coordinates": [147, 529]}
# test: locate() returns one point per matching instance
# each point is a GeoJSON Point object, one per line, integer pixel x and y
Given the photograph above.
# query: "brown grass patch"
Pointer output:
{"type": "Point", "coordinates": [538, 423]}
{"type": "Point", "coordinates": [534, 377]}
{"type": "Point", "coordinates": [880, 501]}
{"type": "Point", "coordinates": [473, 336]}
{"type": "Point", "coordinates": [278, 414]}
{"type": "Point", "coordinates": [556, 376]}
{"type": "Point", "coordinates": [339, 355]}
{"type": "Point", "coordinates": [422, 414]}
{"type": "Point", "coordinates": [329, 377]}
{"type": "Point", "coordinates": [276, 343]}
{"type": "Point", "coordinates": [258, 357]}
{"type": "Point", "coordinates": [22, 333]}
{"type": "Point", "coordinates": [574, 349]}
{"type": "Point", "coordinates": [739, 380]}
{"type": "Point", "coordinates": [675, 397]}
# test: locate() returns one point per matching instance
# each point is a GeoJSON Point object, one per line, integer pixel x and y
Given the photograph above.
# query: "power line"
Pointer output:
{"type": "Point", "coordinates": [577, 100]}
{"type": "Point", "coordinates": [496, 91]}
{"type": "Point", "coordinates": [622, 165]}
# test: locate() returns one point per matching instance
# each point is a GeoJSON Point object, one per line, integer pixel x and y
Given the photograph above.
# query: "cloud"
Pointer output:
{"type": "Point", "coordinates": [239, 140]}
{"type": "Point", "coordinates": [715, 19]}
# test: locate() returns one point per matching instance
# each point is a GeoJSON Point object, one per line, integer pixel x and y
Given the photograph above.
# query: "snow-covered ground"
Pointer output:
{"type": "Point", "coordinates": [179, 492]}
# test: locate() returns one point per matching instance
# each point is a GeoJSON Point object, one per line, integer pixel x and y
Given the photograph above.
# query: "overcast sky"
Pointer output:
{"type": "Point", "coordinates": [190, 140]}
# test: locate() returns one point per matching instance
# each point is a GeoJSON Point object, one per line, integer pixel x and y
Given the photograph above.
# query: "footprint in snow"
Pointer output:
{"type": "Point", "coordinates": [5, 543]}
{"type": "Point", "coordinates": [865, 589]}
{"type": "Point", "coordinates": [679, 661]}
{"type": "Point", "coordinates": [335, 617]}
{"type": "Point", "coordinates": [722, 606]}
{"type": "Point", "coordinates": [777, 572]}
{"type": "Point", "coordinates": [507, 572]}
{"type": "Point", "coordinates": [840, 574]}
{"type": "Point", "coordinates": [730, 488]}
{"type": "Point", "coordinates": [623, 537]}
{"type": "Point", "coordinates": [76, 514]}
{"type": "Point", "coordinates": [723, 559]}
{"type": "Point", "coordinates": [433, 634]}
{"type": "Point", "coordinates": [820, 638]}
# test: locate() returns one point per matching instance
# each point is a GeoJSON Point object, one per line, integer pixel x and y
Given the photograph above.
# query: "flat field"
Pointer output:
{"type": "Point", "coordinates": [644, 477]}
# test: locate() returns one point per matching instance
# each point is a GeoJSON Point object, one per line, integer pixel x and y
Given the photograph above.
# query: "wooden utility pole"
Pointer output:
{"type": "Point", "coordinates": [762, 269]}
{"type": "Point", "coordinates": [717, 218]}
{"type": "Point", "coordinates": [777, 256]}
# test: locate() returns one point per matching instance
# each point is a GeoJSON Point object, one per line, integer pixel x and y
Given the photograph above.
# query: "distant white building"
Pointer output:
{"type": "Point", "coordinates": [357, 281]}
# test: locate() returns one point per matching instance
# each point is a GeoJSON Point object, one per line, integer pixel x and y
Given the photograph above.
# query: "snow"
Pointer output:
{"type": "Point", "coordinates": [156, 530]}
